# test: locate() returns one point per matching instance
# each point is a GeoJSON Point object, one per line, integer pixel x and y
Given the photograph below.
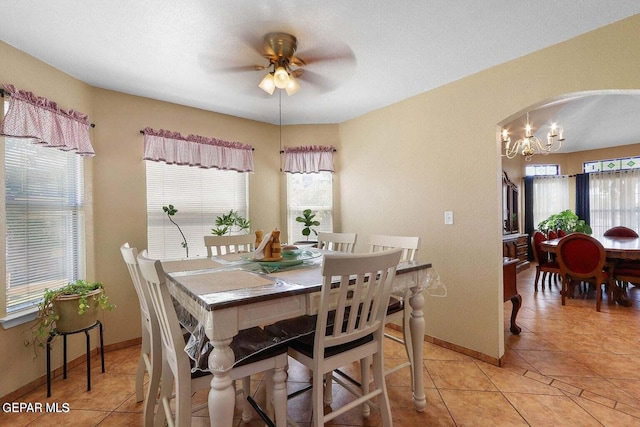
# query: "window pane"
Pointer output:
{"type": "Point", "coordinates": [199, 195]}
{"type": "Point", "coordinates": [309, 191]}
{"type": "Point", "coordinates": [44, 220]}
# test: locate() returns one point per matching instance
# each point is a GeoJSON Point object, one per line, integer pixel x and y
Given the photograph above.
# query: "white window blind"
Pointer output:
{"type": "Point", "coordinates": [309, 191]}
{"type": "Point", "coordinates": [44, 220]}
{"type": "Point", "coordinates": [200, 195]}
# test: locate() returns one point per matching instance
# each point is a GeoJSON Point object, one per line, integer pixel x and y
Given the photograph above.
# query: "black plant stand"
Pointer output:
{"type": "Point", "coordinates": [86, 330]}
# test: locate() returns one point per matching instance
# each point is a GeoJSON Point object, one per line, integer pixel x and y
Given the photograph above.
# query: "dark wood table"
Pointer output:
{"type": "Point", "coordinates": [617, 249]}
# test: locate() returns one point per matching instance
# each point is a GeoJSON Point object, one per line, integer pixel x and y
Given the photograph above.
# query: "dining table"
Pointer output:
{"type": "Point", "coordinates": [229, 293]}
{"type": "Point", "coordinates": [617, 249]}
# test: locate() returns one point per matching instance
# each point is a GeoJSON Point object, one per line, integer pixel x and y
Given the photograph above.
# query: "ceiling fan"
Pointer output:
{"type": "Point", "coordinates": [280, 48]}
{"type": "Point", "coordinates": [285, 67]}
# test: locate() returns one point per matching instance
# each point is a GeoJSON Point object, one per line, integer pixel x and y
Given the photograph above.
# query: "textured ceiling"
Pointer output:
{"type": "Point", "coordinates": [362, 55]}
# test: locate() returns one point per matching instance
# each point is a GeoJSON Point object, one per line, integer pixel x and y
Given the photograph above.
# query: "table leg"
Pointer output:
{"type": "Point", "coordinates": [416, 324]}
{"type": "Point", "coordinates": [222, 397]}
{"type": "Point", "coordinates": [517, 302]}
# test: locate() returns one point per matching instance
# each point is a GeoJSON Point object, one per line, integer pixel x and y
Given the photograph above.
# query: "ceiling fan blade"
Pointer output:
{"type": "Point", "coordinates": [294, 60]}
{"type": "Point", "coordinates": [322, 83]}
{"type": "Point", "coordinates": [243, 68]}
{"type": "Point", "coordinates": [343, 54]}
{"type": "Point", "coordinates": [297, 72]}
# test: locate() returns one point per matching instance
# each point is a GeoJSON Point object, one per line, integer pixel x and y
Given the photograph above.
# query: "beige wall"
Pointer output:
{"type": "Point", "coordinates": [399, 167]}
{"type": "Point", "coordinates": [439, 151]}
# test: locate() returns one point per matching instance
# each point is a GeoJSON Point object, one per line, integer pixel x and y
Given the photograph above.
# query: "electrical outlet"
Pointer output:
{"type": "Point", "coordinates": [448, 217]}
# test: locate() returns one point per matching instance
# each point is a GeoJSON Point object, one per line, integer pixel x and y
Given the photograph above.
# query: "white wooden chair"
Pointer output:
{"type": "Point", "coordinates": [399, 309]}
{"type": "Point", "coordinates": [151, 350]}
{"type": "Point", "coordinates": [349, 328]}
{"type": "Point", "coordinates": [342, 242]}
{"type": "Point", "coordinates": [176, 367]}
{"type": "Point", "coordinates": [220, 245]}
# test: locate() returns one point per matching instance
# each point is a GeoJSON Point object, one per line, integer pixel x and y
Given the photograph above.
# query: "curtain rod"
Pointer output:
{"type": "Point", "coordinates": [252, 149]}
{"type": "Point", "coordinates": [3, 93]}
{"type": "Point", "coordinates": [282, 151]}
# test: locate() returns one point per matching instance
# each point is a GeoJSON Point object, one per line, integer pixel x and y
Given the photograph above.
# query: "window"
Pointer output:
{"type": "Point", "coordinates": [309, 191]}
{"type": "Point", "coordinates": [44, 220]}
{"type": "Point", "coordinates": [199, 195]}
{"type": "Point", "coordinates": [550, 196]}
{"type": "Point", "coordinates": [612, 165]}
{"type": "Point", "coordinates": [542, 170]}
{"type": "Point", "coordinates": [614, 199]}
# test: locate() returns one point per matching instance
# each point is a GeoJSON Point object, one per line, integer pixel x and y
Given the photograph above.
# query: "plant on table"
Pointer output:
{"type": "Point", "coordinates": [231, 222]}
{"type": "Point", "coordinates": [90, 296]}
{"type": "Point", "coordinates": [565, 220]}
{"type": "Point", "coordinates": [307, 219]}
{"type": "Point", "coordinates": [171, 211]}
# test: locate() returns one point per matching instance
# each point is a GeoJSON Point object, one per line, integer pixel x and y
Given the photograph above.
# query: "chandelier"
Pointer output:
{"type": "Point", "coordinates": [530, 144]}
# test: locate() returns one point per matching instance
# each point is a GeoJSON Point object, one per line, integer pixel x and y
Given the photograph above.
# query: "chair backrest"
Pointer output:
{"type": "Point", "coordinates": [365, 282]}
{"type": "Point", "coordinates": [220, 245]}
{"type": "Point", "coordinates": [409, 245]}
{"type": "Point", "coordinates": [620, 231]}
{"type": "Point", "coordinates": [130, 256]}
{"type": "Point", "coordinates": [343, 242]}
{"type": "Point", "coordinates": [170, 331]}
{"type": "Point", "coordinates": [581, 256]}
{"type": "Point", "coordinates": [552, 235]}
{"type": "Point", "coordinates": [540, 256]}
{"type": "Point", "coordinates": [561, 232]}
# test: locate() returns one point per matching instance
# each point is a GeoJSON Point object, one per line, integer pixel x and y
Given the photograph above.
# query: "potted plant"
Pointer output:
{"type": "Point", "coordinates": [70, 308]}
{"type": "Point", "coordinates": [231, 222]}
{"type": "Point", "coordinates": [307, 219]}
{"type": "Point", "coordinates": [565, 220]}
{"type": "Point", "coordinates": [171, 211]}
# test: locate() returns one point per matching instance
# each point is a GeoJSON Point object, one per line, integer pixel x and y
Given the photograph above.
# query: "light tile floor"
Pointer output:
{"type": "Point", "coordinates": [570, 366]}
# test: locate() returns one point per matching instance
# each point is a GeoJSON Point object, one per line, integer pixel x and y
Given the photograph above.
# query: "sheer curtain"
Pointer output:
{"type": "Point", "coordinates": [615, 200]}
{"type": "Point", "coordinates": [550, 196]}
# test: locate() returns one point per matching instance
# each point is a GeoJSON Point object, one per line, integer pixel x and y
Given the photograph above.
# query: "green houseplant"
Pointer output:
{"type": "Point", "coordinates": [69, 308]}
{"type": "Point", "coordinates": [231, 222]}
{"type": "Point", "coordinates": [171, 211]}
{"type": "Point", "coordinates": [565, 220]}
{"type": "Point", "coordinates": [307, 219]}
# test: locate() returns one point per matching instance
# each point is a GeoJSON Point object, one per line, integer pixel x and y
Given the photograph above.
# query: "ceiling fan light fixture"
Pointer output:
{"type": "Point", "coordinates": [281, 77]}
{"type": "Point", "coordinates": [268, 84]}
{"type": "Point", "coordinates": [292, 86]}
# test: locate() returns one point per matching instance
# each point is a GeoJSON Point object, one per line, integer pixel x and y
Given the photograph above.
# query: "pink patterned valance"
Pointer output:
{"type": "Point", "coordinates": [193, 150]}
{"type": "Point", "coordinates": [41, 120]}
{"type": "Point", "coordinates": [309, 159]}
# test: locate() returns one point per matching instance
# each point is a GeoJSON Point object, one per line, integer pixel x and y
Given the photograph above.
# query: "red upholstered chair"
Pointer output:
{"type": "Point", "coordinates": [581, 258]}
{"type": "Point", "coordinates": [552, 235]}
{"type": "Point", "coordinates": [543, 264]}
{"type": "Point", "coordinates": [620, 231]}
{"type": "Point", "coordinates": [561, 233]}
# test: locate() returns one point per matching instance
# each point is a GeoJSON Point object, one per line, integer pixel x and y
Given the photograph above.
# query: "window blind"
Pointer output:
{"type": "Point", "coordinates": [199, 195]}
{"type": "Point", "coordinates": [309, 191]}
{"type": "Point", "coordinates": [44, 220]}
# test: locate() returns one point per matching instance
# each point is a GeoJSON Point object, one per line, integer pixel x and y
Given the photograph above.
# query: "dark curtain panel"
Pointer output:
{"type": "Point", "coordinates": [582, 197]}
{"type": "Point", "coordinates": [529, 226]}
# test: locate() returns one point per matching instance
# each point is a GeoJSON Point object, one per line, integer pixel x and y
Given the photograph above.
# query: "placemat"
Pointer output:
{"type": "Point", "coordinates": [189, 264]}
{"type": "Point", "coordinates": [222, 281]}
{"type": "Point", "coordinates": [302, 276]}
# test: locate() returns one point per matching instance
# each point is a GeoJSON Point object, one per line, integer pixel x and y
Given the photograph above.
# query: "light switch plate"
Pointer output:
{"type": "Point", "coordinates": [448, 217]}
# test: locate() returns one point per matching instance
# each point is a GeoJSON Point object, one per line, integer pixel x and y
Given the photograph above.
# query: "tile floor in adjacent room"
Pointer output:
{"type": "Point", "coordinates": [570, 366]}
